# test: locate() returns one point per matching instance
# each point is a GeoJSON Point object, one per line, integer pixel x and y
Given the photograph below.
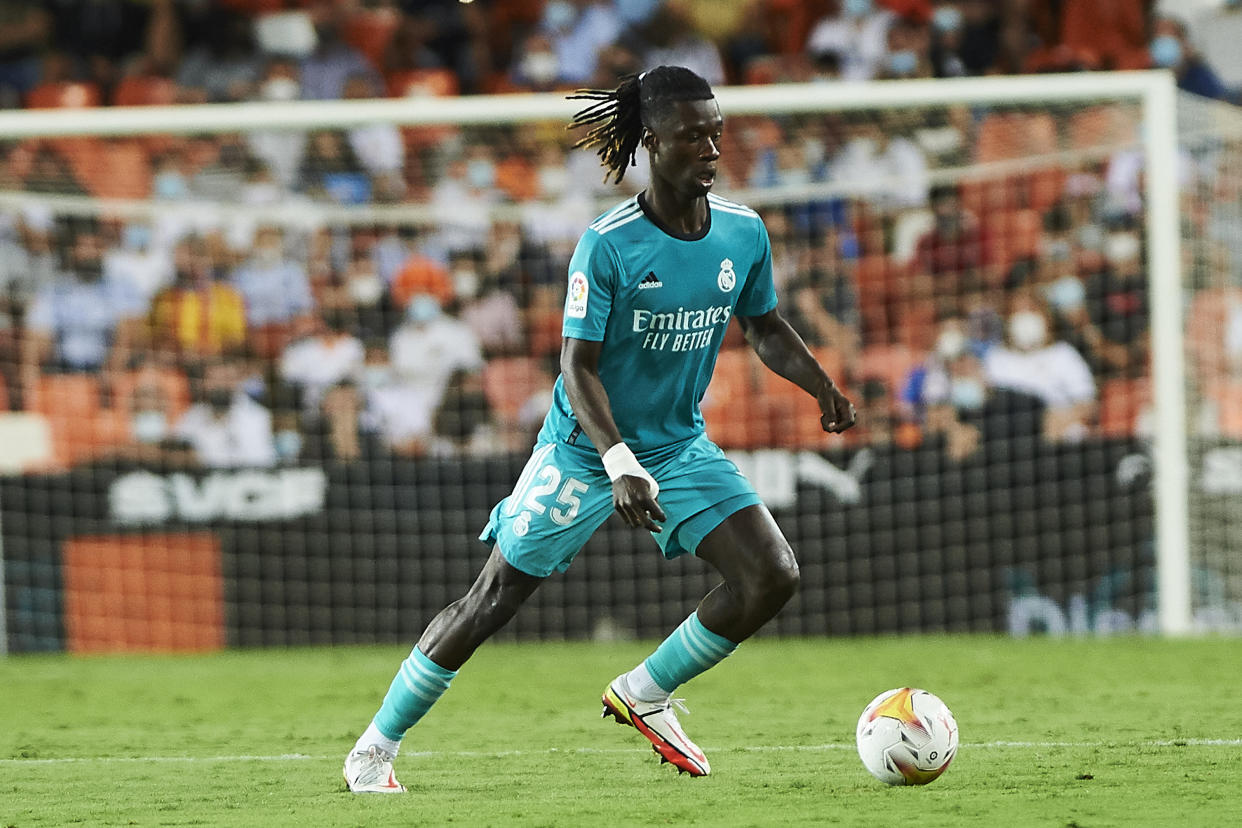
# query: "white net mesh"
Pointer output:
{"type": "Point", "coordinates": [1211, 165]}
{"type": "Point", "coordinates": [264, 384]}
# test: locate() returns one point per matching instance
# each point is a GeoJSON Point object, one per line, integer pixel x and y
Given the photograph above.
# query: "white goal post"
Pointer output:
{"type": "Point", "coordinates": [1154, 93]}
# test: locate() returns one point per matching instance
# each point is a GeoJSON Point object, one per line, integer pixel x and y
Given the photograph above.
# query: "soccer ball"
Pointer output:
{"type": "Point", "coordinates": [906, 737]}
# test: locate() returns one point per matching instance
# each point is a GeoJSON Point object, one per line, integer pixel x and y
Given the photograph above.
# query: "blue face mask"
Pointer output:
{"type": "Point", "coordinates": [856, 8]}
{"type": "Point", "coordinates": [422, 309]}
{"type": "Point", "coordinates": [1166, 51]}
{"type": "Point", "coordinates": [967, 393]}
{"type": "Point", "coordinates": [1066, 293]}
{"type": "Point", "coordinates": [947, 19]}
{"type": "Point", "coordinates": [136, 237]}
{"type": "Point", "coordinates": [170, 185]}
{"type": "Point", "coordinates": [288, 444]}
{"type": "Point", "coordinates": [558, 14]}
{"type": "Point", "coordinates": [149, 426]}
{"type": "Point", "coordinates": [481, 173]}
{"type": "Point", "coordinates": [903, 62]}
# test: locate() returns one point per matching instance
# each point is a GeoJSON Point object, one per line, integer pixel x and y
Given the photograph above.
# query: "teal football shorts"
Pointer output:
{"type": "Point", "coordinates": [563, 495]}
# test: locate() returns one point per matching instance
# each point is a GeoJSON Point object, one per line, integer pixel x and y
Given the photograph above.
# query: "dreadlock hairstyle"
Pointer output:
{"type": "Point", "coordinates": [618, 115]}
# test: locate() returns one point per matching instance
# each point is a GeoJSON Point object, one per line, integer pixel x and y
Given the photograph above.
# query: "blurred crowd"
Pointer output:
{"type": "Point", "coordinates": [1009, 307]}
{"type": "Point", "coordinates": [234, 50]}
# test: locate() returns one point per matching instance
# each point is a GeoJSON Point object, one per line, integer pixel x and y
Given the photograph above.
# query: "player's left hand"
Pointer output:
{"type": "Point", "coordinates": [836, 411]}
{"type": "Point", "coordinates": [633, 499]}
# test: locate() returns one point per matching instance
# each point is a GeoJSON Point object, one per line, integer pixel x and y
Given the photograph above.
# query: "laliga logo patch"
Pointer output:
{"type": "Point", "coordinates": [579, 288]}
{"type": "Point", "coordinates": [726, 278]}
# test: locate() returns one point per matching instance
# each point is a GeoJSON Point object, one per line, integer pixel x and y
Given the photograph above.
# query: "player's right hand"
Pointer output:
{"type": "Point", "coordinates": [632, 498]}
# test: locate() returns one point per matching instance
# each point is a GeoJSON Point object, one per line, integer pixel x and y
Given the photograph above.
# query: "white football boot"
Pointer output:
{"type": "Point", "coordinates": [658, 722]}
{"type": "Point", "coordinates": [371, 772]}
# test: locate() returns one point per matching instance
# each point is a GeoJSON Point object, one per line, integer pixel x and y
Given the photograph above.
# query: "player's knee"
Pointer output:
{"type": "Point", "coordinates": [776, 582]}
{"type": "Point", "coordinates": [783, 580]}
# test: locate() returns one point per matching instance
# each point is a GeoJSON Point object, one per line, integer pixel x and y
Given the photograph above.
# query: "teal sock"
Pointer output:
{"type": "Point", "coordinates": [418, 685]}
{"type": "Point", "coordinates": [688, 651]}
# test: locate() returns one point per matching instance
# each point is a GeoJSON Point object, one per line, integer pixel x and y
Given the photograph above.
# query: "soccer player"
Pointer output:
{"type": "Point", "coordinates": [653, 285]}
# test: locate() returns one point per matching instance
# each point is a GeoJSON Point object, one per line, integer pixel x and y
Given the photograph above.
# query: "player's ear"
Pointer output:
{"type": "Point", "coordinates": [649, 139]}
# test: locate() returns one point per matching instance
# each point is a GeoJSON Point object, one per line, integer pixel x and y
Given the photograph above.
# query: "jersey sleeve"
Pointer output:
{"type": "Point", "coordinates": [593, 276]}
{"type": "Point", "coordinates": [759, 293]}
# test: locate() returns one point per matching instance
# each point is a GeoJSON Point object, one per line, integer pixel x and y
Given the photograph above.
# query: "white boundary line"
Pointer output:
{"type": "Point", "coordinates": [498, 754]}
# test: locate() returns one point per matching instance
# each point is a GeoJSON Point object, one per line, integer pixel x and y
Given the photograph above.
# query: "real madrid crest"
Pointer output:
{"type": "Point", "coordinates": [726, 278]}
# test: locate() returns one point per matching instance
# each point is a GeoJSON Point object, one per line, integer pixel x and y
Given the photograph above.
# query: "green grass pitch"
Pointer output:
{"type": "Point", "coordinates": [1128, 732]}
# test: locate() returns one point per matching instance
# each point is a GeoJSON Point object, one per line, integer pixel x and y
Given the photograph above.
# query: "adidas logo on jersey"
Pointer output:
{"type": "Point", "coordinates": [650, 281]}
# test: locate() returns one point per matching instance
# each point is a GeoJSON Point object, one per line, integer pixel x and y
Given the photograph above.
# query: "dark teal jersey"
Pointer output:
{"type": "Point", "coordinates": [659, 303]}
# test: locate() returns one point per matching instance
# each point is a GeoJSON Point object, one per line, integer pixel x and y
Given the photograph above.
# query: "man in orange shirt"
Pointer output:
{"type": "Point", "coordinates": [421, 274]}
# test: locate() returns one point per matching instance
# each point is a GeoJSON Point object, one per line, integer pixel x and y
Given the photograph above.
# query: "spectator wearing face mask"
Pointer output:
{"type": "Point", "coordinates": [358, 292]}
{"type": "Point", "coordinates": [151, 420]}
{"type": "Point", "coordinates": [1052, 372]}
{"type": "Point", "coordinates": [1118, 306]}
{"type": "Point", "coordinates": [669, 38]}
{"type": "Point", "coordinates": [463, 198]}
{"type": "Point", "coordinates": [464, 421]}
{"type": "Point", "coordinates": [281, 150]}
{"type": "Point", "coordinates": [952, 252]}
{"type": "Point", "coordinates": [484, 292]}
{"type": "Point", "coordinates": [578, 30]}
{"type": "Point", "coordinates": [430, 345]}
{"type": "Point", "coordinates": [81, 322]}
{"type": "Point", "coordinates": [1171, 49]}
{"type": "Point", "coordinates": [277, 293]}
{"type": "Point", "coordinates": [226, 428]}
{"type": "Point", "coordinates": [857, 35]}
{"type": "Point", "coordinates": [537, 69]}
{"type": "Point", "coordinates": [331, 171]}
{"type": "Point", "coordinates": [225, 63]}
{"type": "Point", "coordinates": [424, 353]}
{"type": "Point", "coordinates": [378, 147]}
{"type": "Point", "coordinates": [333, 61]}
{"type": "Point", "coordinates": [947, 41]}
{"type": "Point", "coordinates": [909, 48]}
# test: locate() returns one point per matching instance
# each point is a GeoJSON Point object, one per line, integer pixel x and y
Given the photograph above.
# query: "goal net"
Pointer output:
{"type": "Point", "coordinates": [266, 368]}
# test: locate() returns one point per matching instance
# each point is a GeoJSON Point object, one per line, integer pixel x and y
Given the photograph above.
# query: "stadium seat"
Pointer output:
{"type": "Point", "coordinates": [1000, 137]}
{"type": "Point", "coordinates": [1013, 235]}
{"type": "Point", "coordinates": [544, 330]}
{"type": "Point", "coordinates": [1100, 126]}
{"type": "Point", "coordinates": [64, 395]}
{"type": "Point", "coordinates": [112, 168]}
{"type": "Point", "coordinates": [873, 281]}
{"type": "Point", "coordinates": [791, 415]}
{"type": "Point", "coordinates": [370, 31]}
{"type": "Point", "coordinates": [62, 95]}
{"type": "Point", "coordinates": [145, 90]}
{"type": "Point", "coordinates": [1122, 402]}
{"type": "Point", "coordinates": [1112, 30]}
{"type": "Point", "coordinates": [915, 324]}
{"type": "Point", "coordinates": [732, 407]}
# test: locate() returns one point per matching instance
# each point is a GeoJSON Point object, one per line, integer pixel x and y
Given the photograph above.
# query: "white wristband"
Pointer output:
{"type": "Point", "coordinates": [619, 461]}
